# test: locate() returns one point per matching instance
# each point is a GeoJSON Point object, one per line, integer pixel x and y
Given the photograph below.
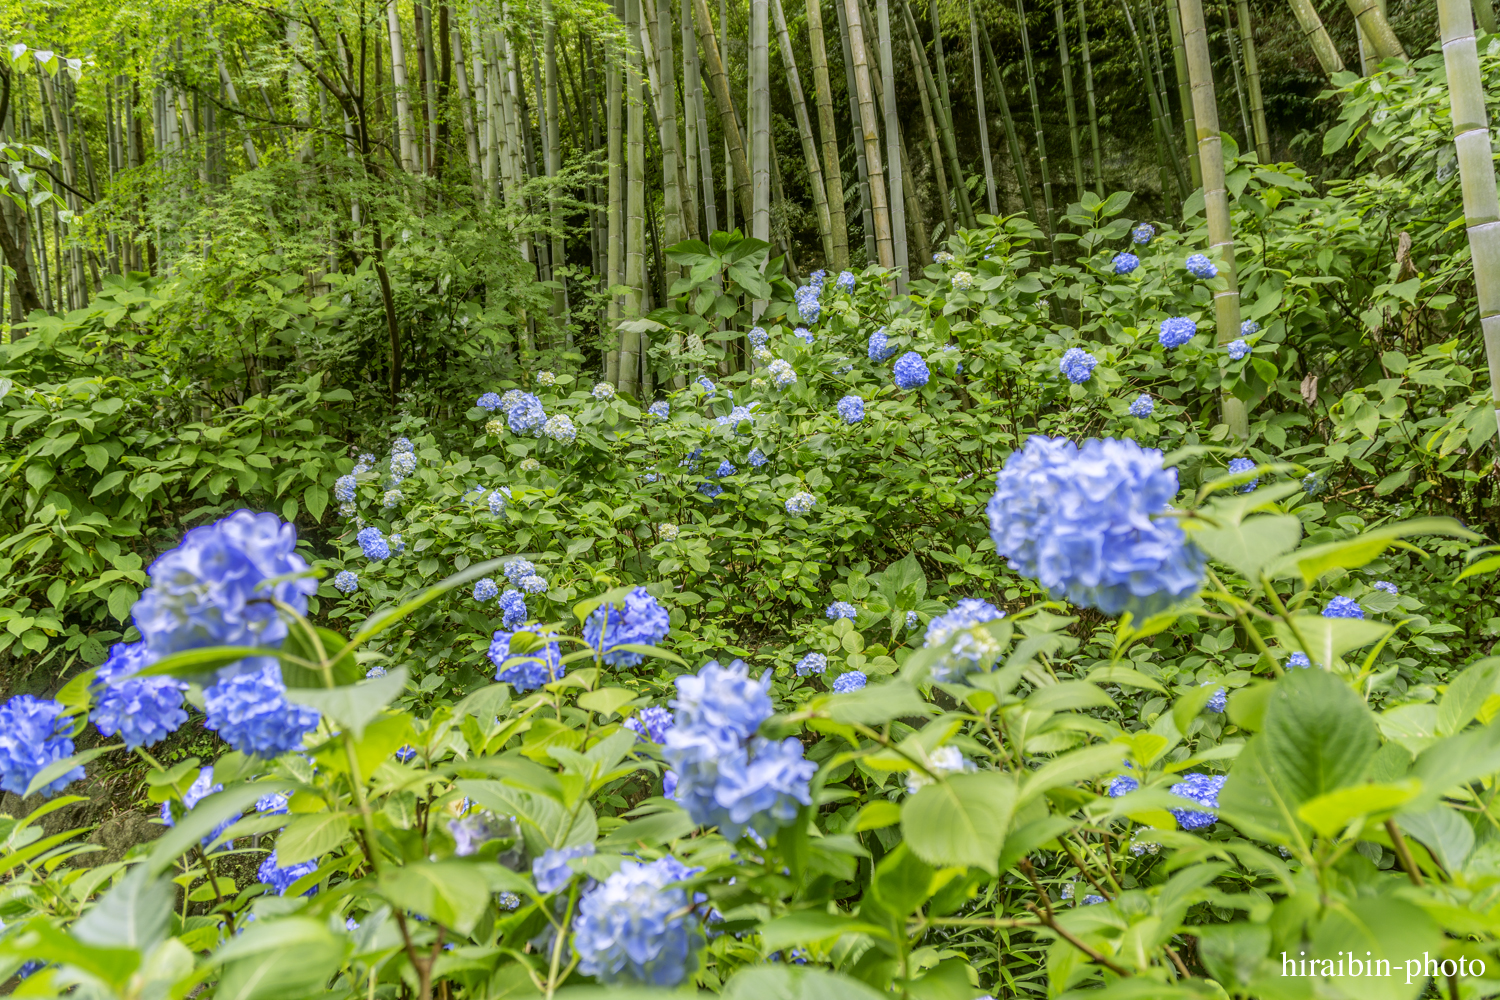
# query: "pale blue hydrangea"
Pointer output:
{"type": "Point", "coordinates": [1238, 349]}
{"type": "Point", "coordinates": [1142, 234]}
{"type": "Point", "coordinates": [1312, 485]}
{"type": "Point", "coordinates": [552, 872]}
{"type": "Point", "coordinates": [403, 464]}
{"type": "Point", "coordinates": [473, 831]}
{"type": "Point", "coordinates": [667, 531]}
{"type": "Point", "coordinates": [910, 371]}
{"type": "Point", "coordinates": [1299, 659]}
{"type": "Point", "coordinates": [1124, 263]}
{"type": "Point", "coordinates": [485, 589]}
{"type": "Point", "coordinates": [880, 348]}
{"type": "Point", "coordinates": [852, 409]}
{"type": "Point", "coordinates": [546, 378]}
{"type": "Point", "coordinates": [1200, 266]}
{"type": "Point", "coordinates": [489, 401]}
{"type": "Point", "coordinates": [757, 458]}
{"type": "Point", "coordinates": [526, 415]}
{"type": "Point", "coordinates": [281, 879]}
{"type": "Point", "coordinates": [691, 462]}
{"type": "Point", "coordinates": [660, 409]}
{"type": "Point", "coordinates": [272, 804]}
{"type": "Point", "coordinates": [1249, 328]}
{"type": "Point", "coordinates": [344, 488]}
{"type": "Point", "coordinates": [853, 680]}
{"type": "Point", "coordinates": [962, 281]}
{"type": "Point", "coordinates": [782, 373]}
{"type": "Point", "coordinates": [637, 927]}
{"type": "Point", "coordinates": [1122, 784]}
{"type": "Point", "coordinates": [525, 671]}
{"type": "Point", "coordinates": [818, 277]}
{"type": "Point", "coordinates": [841, 609]}
{"type": "Point", "coordinates": [942, 257]}
{"type": "Point", "coordinates": [800, 502]}
{"type": "Point", "coordinates": [845, 282]}
{"type": "Point", "coordinates": [1176, 331]}
{"type": "Point", "coordinates": [726, 468]}
{"type": "Point", "coordinates": [1218, 701]}
{"type": "Point", "coordinates": [1086, 523]}
{"type": "Point", "coordinates": [391, 499]}
{"type": "Point", "coordinates": [499, 500]}
{"type": "Point", "coordinates": [812, 663]}
{"type": "Point", "coordinates": [943, 760]}
{"type": "Point", "coordinates": [652, 723]}
{"type": "Point", "coordinates": [345, 582]}
{"type": "Point", "coordinates": [1237, 466]}
{"type": "Point", "coordinates": [723, 700]}
{"type": "Point", "coordinates": [1077, 364]}
{"type": "Point", "coordinates": [373, 544]}
{"type": "Point", "coordinates": [1387, 586]}
{"type": "Point", "coordinates": [710, 490]}
{"type": "Point", "coordinates": [560, 428]}
{"type": "Point", "coordinates": [33, 734]}
{"type": "Point", "coordinates": [508, 901]}
{"type": "Point", "coordinates": [970, 649]}
{"type": "Point", "coordinates": [534, 584]}
{"type": "Point", "coordinates": [808, 306]}
{"type": "Point", "coordinates": [736, 417]}
{"type": "Point", "coordinates": [708, 386]}
{"type": "Point", "coordinates": [1203, 789]}
{"type": "Point", "coordinates": [757, 337]}
{"type": "Point", "coordinates": [1343, 607]}
{"type": "Point", "coordinates": [143, 710]}
{"type": "Point", "coordinates": [1143, 405]}
{"type": "Point", "coordinates": [762, 356]}
{"type": "Point", "coordinates": [376, 671]}
{"type": "Point", "coordinates": [603, 390]}
{"type": "Point", "coordinates": [511, 398]}
{"type": "Point", "coordinates": [397, 545]}
{"type": "Point", "coordinates": [912, 620]}
{"type": "Point", "coordinates": [529, 465]}
{"type": "Point", "coordinates": [513, 605]}
{"type": "Point", "coordinates": [402, 446]}
{"type": "Point", "coordinates": [250, 713]}
{"type": "Point", "coordinates": [641, 622]}
{"type": "Point", "coordinates": [1091, 899]}
{"type": "Point", "coordinates": [804, 334]}
{"type": "Point", "coordinates": [516, 570]}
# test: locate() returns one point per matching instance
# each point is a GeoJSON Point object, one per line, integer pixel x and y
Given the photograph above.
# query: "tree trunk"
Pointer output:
{"type": "Point", "coordinates": [939, 172]}
{"type": "Point", "coordinates": [697, 121]}
{"type": "Point", "coordinates": [1036, 120]}
{"type": "Point", "coordinates": [1215, 197]}
{"type": "Point", "coordinates": [1377, 29]}
{"type": "Point", "coordinates": [892, 147]}
{"type": "Point", "coordinates": [635, 208]}
{"type": "Point", "coordinates": [945, 114]}
{"type": "Point", "coordinates": [398, 80]}
{"type": "Point", "coordinates": [1231, 36]}
{"type": "Point", "coordinates": [1018, 160]}
{"type": "Point", "coordinates": [833, 173]}
{"type": "Point", "coordinates": [466, 100]}
{"type": "Point", "coordinates": [963, 208]}
{"type": "Point", "coordinates": [884, 248]}
{"type": "Point", "coordinates": [671, 148]}
{"type": "Point", "coordinates": [1317, 37]}
{"type": "Point", "coordinates": [804, 129]}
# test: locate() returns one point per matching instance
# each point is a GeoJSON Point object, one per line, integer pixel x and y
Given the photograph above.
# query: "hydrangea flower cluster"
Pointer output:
{"type": "Point", "coordinates": [202, 787]}
{"type": "Point", "coordinates": [800, 502]}
{"type": "Point", "coordinates": [1237, 466]}
{"type": "Point", "coordinates": [852, 409]}
{"type": "Point", "coordinates": [391, 499]}
{"type": "Point", "coordinates": [403, 464]}
{"type": "Point", "coordinates": [1200, 266]}
{"type": "Point", "coordinates": [912, 620]}
{"type": "Point", "coordinates": [963, 280]}
{"type": "Point", "coordinates": [1122, 784]}
{"type": "Point", "coordinates": [710, 490]}
{"type": "Point", "coordinates": [818, 278]}
{"type": "Point", "coordinates": [879, 348]}
{"type": "Point", "coordinates": [534, 584]}
{"type": "Point", "coordinates": [552, 872]}
{"type": "Point", "coordinates": [1387, 586]}
{"type": "Point", "coordinates": [636, 926]}
{"type": "Point", "coordinates": [1218, 701]}
{"type": "Point", "coordinates": [1299, 659]}
{"type": "Point", "coordinates": [708, 386]}
{"type": "Point", "coordinates": [841, 609]}
{"type": "Point", "coordinates": [1125, 262]}
{"type": "Point", "coordinates": [513, 608]}
{"type": "Point", "coordinates": [641, 622]}
{"type": "Point", "coordinates": [516, 570]}
{"type": "Point", "coordinates": [845, 282]}
{"type": "Point", "coordinates": [782, 374]}
{"type": "Point", "coordinates": [494, 426]}
{"type": "Point", "coordinates": [1142, 234]}
{"type": "Point", "coordinates": [373, 544]}
{"type": "Point", "coordinates": [499, 500]}
{"type": "Point", "coordinates": [910, 371]}
{"type": "Point", "coordinates": [1176, 331]}
{"type": "Point", "coordinates": [726, 468]}
{"type": "Point", "coordinates": [808, 306]}
{"type": "Point", "coordinates": [972, 647]}
{"type": "Point", "coordinates": [526, 415]}
{"type": "Point", "coordinates": [1238, 349]}
{"type": "Point", "coordinates": [804, 334]}
{"type": "Point", "coordinates": [272, 874]}
{"type": "Point", "coordinates": [726, 775]}
{"type": "Point", "coordinates": [1143, 405]}
{"type": "Point", "coordinates": [471, 832]}
{"type": "Point", "coordinates": [489, 401]}
{"type": "Point", "coordinates": [546, 378]}
{"type": "Point", "coordinates": [1249, 328]}
{"type": "Point", "coordinates": [942, 257]}
{"type": "Point", "coordinates": [944, 760]}
{"type": "Point", "coordinates": [344, 488]}
{"type": "Point", "coordinates": [560, 428]}
{"type": "Point", "coordinates": [525, 671]}
{"type": "Point", "coordinates": [1203, 789]}
{"type": "Point", "coordinates": [485, 590]}
{"type": "Point", "coordinates": [1343, 607]}
{"type": "Point", "coordinates": [1085, 522]}
{"type": "Point", "coordinates": [652, 723]}
{"type": "Point", "coordinates": [757, 458]}
{"type": "Point", "coordinates": [1078, 365]}
{"type": "Point", "coordinates": [667, 531]}
{"type": "Point", "coordinates": [738, 415]}
{"type": "Point", "coordinates": [33, 735]}
{"type": "Point", "coordinates": [345, 581]}
{"type": "Point", "coordinates": [812, 663]}
{"type": "Point", "coordinates": [250, 713]}
{"type": "Point", "coordinates": [762, 355]}
{"type": "Point", "coordinates": [603, 390]}
{"type": "Point", "coordinates": [142, 710]}
{"type": "Point", "coordinates": [757, 336]}
{"type": "Point", "coordinates": [660, 409]}
{"type": "Point", "coordinates": [853, 680]}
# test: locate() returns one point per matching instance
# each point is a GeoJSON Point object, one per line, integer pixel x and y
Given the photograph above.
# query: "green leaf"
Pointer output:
{"type": "Point", "coordinates": [134, 914]}
{"type": "Point", "coordinates": [145, 484]}
{"type": "Point", "coordinates": [1467, 694]}
{"type": "Point", "coordinates": [544, 821]}
{"type": "Point", "coordinates": [353, 705]}
{"type": "Point", "coordinates": [43, 942]}
{"type": "Point", "coordinates": [807, 926]}
{"type": "Point", "coordinates": [1327, 639]}
{"type": "Point", "coordinates": [874, 704]}
{"type": "Point", "coordinates": [1252, 544]}
{"type": "Point", "coordinates": [1077, 765]}
{"type": "Point", "coordinates": [1371, 926]}
{"type": "Point", "coordinates": [453, 893]}
{"type": "Point", "coordinates": [1188, 706]}
{"type": "Point", "coordinates": [285, 959]}
{"type": "Point", "coordinates": [58, 768]}
{"type": "Point", "coordinates": [902, 882]}
{"type": "Point", "coordinates": [961, 820]}
{"type": "Point", "coordinates": [382, 620]}
{"type": "Point", "coordinates": [792, 982]}
{"type": "Point", "coordinates": [1446, 764]}
{"type": "Point", "coordinates": [1331, 813]}
{"type": "Point", "coordinates": [311, 836]}
{"type": "Point", "coordinates": [199, 823]}
{"type": "Point", "coordinates": [606, 701]}
{"type": "Point", "coordinates": [1313, 561]}
{"type": "Point", "coordinates": [1319, 735]}
{"type": "Point", "coordinates": [1067, 696]}
{"type": "Point", "coordinates": [203, 661]}
{"type": "Point", "coordinates": [1445, 834]}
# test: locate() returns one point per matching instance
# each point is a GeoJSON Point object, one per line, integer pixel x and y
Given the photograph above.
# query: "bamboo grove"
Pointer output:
{"type": "Point", "coordinates": [592, 138]}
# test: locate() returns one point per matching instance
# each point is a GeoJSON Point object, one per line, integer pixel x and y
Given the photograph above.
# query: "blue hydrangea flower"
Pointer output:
{"type": "Point", "coordinates": [1312, 485]}
{"type": "Point", "coordinates": [942, 257]}
{"type": "Point", "coordinates": [641, 622]}
{"type": "Point", "coordinates": [841, 609]}
{"type": "Point", "coordinates": [800, 503]}
{"type": "Point", "coordinates": [273, 804]}
{"type": "Point", "coordinates": [403, 445]}
{"type": "Point", "coordinates": [32, 736]}
{"type": "Point", "coordinates": [142, 710]}
{"type": "Point", "coordinates": [845, 282]}
{"type": "Point", "coordinates": [757, 458]}
{"type": "Point", "coordinates": [812, 663]}
{"type": "Point", "coordinates": [808, 306]}
{"type": "Point", "coordinates": [660, 409]}
{"type": "Point", "coordinates": [345, 582]}
{"type": "Point", "coordinates": [737, 416]}
{"type": "Point", "coordinates": [403, 464]}
{"type": "Point", "coordinates": [723, 700]}
{"type": "Point", "coordinates": [1218, 700]}
{"type": "Point", "coordinates": [1238, 349]}
{"type": "Point", "coordinates": [1078, 365]}
{"type": "Point", "coordinates": [1387, 586]}
{"type": "Point", "coordinates": [1200, 266]}
{"type": "Point", "coordinates": [1241, 465]}
{"type": "Point", "coordinates": [406, 753]}
{"type": "Point", "coordinates": [560, 428]}
{"type": "Point", "coordinates": [962, 281]}
{"type": "Point", "coordinates": [485, 590]}
{"type": "Point", "coordinates": [1249, 328]}
{"type": "Point", "coordinates": [202, 787]}
{"type": "Point", "coordinates": [1176, 331]}
{"type": "Point", "coordinates": [281, 879]}
{"type": "Point", "coordinates": [726, 468]}
{"type": "Point", "coordinates": [1143, 405]}
{"type": "Point", "coordinates": [710, 490]}
{"type": "Point", "coordinates": [652, 722]}
{"type": "Point", "coordinates": [534, 584]}
{"type": "Point", "coordinates": [1203, 789]}
{"type": "Point", "coordinates": [508, 901]}
{"type": "Point", "coordinates": [392, 499]}
{"type": "Point", "coordinates": [912, 621]}
{"type": "Point", "coordinates": [499, 500]}
{"type": "Point", "coordinates": [782, 373]}
{"type": "Point", "coordinates": [552, 871]}
{"type": "Point", "coordinates": [757, 337]}
{"type": "Point", "coordinates": [910, 371]}
{"type": "Point", "coordinates": [852, 409]}
{"type": "Point", "coordinates": [250, 713]}
{"type": "Point", "coordinates": [1086, 524]}
{"type": "Point", "coordinates": [708, 386]}
{"type": "Point", "coordinates": [1122, 784]}
{"type": "Point", "coordinates": [1343, 607]}
{"type": "Point", "coordinates": [513, 604]}
{"type": "Point", "coordinates": [637, 927]}
{"type": "Point", "coordinates": [879, 348]}
{"type": "Point", "coordinates": [853, 680]}
{"type": "Point", "coordinates": [204, 591]}
{"type": "Point", "coordinates": [376, 671]}
{"type": "Point", "coordinates": [603, 390]}
{"type": "Point", "coordinates": [489, 401]}
{"type": "Point", "coordinates": [526, 415]}
{"type": "Point", "coordinates": [1299, 659]}
{"type": "Point", "coordinates": [691, 462]}
{"type": "Point", "coordinates": [471, 832]}
{"type": "Point", "coordinates": [1124, 263]}
{"type": "Point", "coordinates": [817, 278]}
{"type": "Point", "coordinates": [525, 671]}
{"type": "Point", "coordinates": [344, 488]}
{"type": "Point", "coordinates": [373, 544]}
{"type": "Point", "coordinates": [1143, 233]}
{"type": "Point", "coordinates": [964, 656]}
{"type": "Point", "coordinates": [804, 334]}
{"type": "Point", "coordinates": [517, 570]}
{"type": "Point", "coordinates": [1091, 899]}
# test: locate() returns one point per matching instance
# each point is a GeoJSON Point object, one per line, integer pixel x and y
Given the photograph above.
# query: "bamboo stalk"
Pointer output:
{"type": "Point", "coordinates": [833, 174]}
{"type": "Point", "coordinates": [893, 148]}
{"type": "Point", "coordinates": [1184, 92]}
{"type": "Point", "coordinates": [615, 217]}
{"type": "Point", "coordinates": [1252, 76]}
{"type": "Point", "coordinates": [1484, 13]}
{"type": "Point", "coordinates": [962, 207]}
{"type": "Point", "coordinates": [635, 208]}
{"type": "Point", "coordinates": [945, 114]}
{"type": "Point", "coordinates": [760, 120]}
{"type": "Point", "coordinates": [804, 129]}
{"type": "Point", "coordinates": [1317, 36]}
{"type": "Point", "coordinates": [1168, 163]}
{"type": "Point", "coordinates": [1232, 36]}
{"type": "Point", "coordinates": [728, 120]}
{"type": "Point", "coordinates": [879, 208]}
{"type": "Point", "coordinates": [1036, 119]}
{"type": "Point", "coordinates": [1215, 198]}
{"type": "Point", "coordinates": [673, 222]}
{"type": "Point", "coordinates": [984, 118]}
{"type": "Point", "coordinates": [1377, 29]}
{"type": "Point", "coordinates": [866, 214]}
{"type": "Point", "coordinates": [1067, 78]}
{"type": "Point", "coordinates": [939, 173]}
{"type": "Point", "coordinates": [1088, 85]}
{"type": "Point", "coordinates": [1017, 159]}
{"type": "Point", "coordinates": [398, 80]}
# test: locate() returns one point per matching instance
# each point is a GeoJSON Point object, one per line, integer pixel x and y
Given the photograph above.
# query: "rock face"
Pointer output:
{"type": "Point", "coordinates": [117, 825]}
{"type": "Point", "coordinates": [119, 834]}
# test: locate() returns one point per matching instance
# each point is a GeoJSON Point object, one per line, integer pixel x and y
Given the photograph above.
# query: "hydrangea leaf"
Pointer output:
{"type": "Point", "coordinates": [875, 704]}
{"type": "Point", "coordinates": [453, 893]}
{"type": "Point", "coordinates": [291, 957]}
{"type": "Point", "coordinates": [1327, 639]}
{"type": "Point", "coordinates": [1444, 832]}
{"type": "Point", "coordinates": [960, 820]}
{"type": "Point", "coordinates": [310, 836]}
{"type": "Point", "coordinates": [134, 914]}
{"type": "Point", "coordinates": [808, 926]}
{"type": "Point", "coordinates": [1319, 734]}
{"type": "Point", "coordinates": [1249, 546]}
{"type": "Point", "coordinates": [353, 705]}
{"type": "Point", "coordinates": [1466, 694]}
{"type": "Point", "coordinates": [1331, 813]}
{"type": "Point", "coordinates": [794, 982]}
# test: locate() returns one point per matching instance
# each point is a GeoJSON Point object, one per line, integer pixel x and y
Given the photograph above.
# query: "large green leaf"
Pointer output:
{"type": "Point", "coordinates": [311, 836]}
{"type": "Point", "coordinates": [1249, 546]}
{"type": "Point", "coordinates": [961, 820]}
{"type": "Point", "coordinates": [1467, 694]}
{"type": "Point", "coordinates": [1315, 560]}
{"type": "Point", "coordinates": [1444, 832]}
{"type": "Point", "coordinates": [875, 704]}
{"type": "Point", "coordinates": [1327, 639]}
{"type": "Point", "coordinates": [453, 893]}
{"type": "Point", "coordinates": [545, 822]}
{"type": "Point", "coordinates": [286, 959]}
{"type": "Point", "coordinates": [353, 705]}
{"type": "Point", "coordinates": [1319, 736]}
{"type": "Point", "coordinates": [199, 823]}
{"type": "Point", "coordinates": [134, 914]}
{"type": "Point", "coordinates": [793, 982]}
{"type": "Point", "coordinates": [807, 926]}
